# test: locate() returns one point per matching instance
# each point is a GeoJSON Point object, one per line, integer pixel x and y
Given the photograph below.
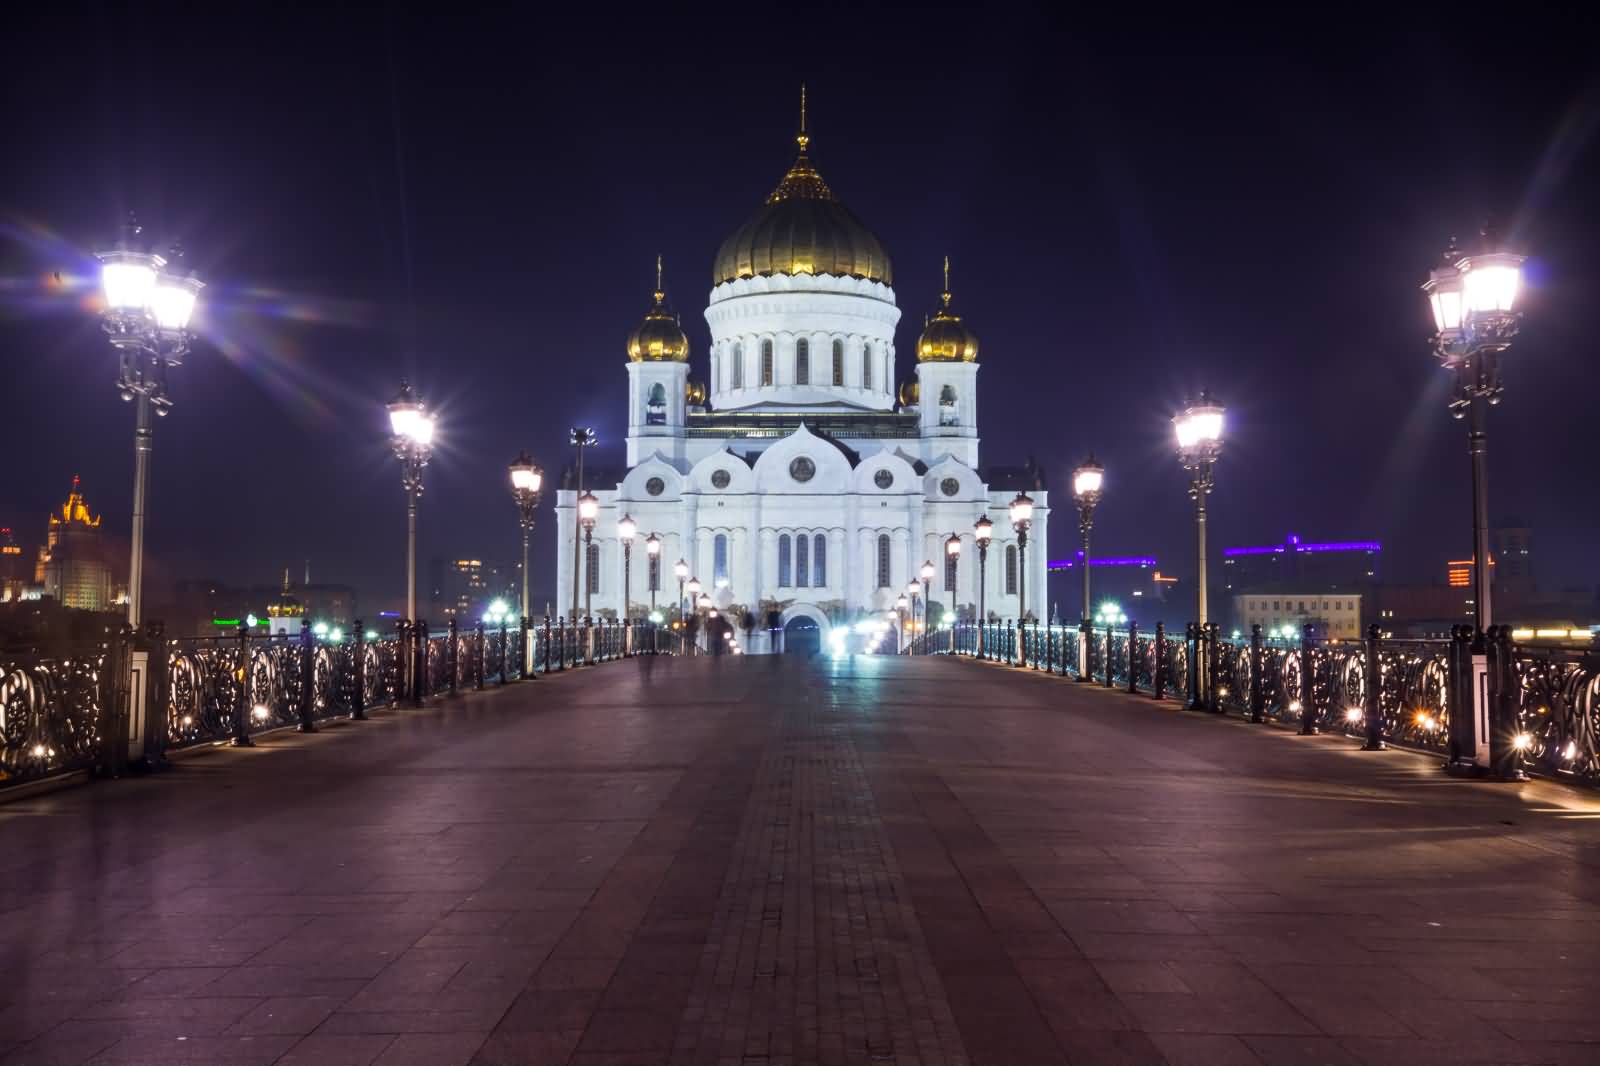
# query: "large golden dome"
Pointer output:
{"type": "Point", "coordinates": [659, 338]}
{"type": "Point", "coordinates": [802, 229]}
{"type": "Point", "coordinates": [945, 338]}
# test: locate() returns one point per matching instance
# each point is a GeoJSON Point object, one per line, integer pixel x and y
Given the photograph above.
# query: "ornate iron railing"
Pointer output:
{"type": "Point", "coordinates": [70, 710]}
{"type": "Point", "coordinates": [1545, 702]}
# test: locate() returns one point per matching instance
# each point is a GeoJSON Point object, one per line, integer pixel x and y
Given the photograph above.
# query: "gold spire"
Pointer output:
{"type": "Point", "coordinates": [947, 281]}
{"type": "Point", "coordinates": [803, 139]}
{"type": "Point", "coordinates": [660, 293]}
{"type": "Point", "coordinates": [944, 337]}
{"type": "Point", "coordinates": [660, 337]}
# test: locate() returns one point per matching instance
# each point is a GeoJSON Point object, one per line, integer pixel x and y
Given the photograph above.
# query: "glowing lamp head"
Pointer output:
{"type": "Point", "coordinates": [1490, 283]}
{"type": "Point", "coordinates": [1199, 427]}
{"type": "Point", "coordinates": [901, 602]}
{"type": "Point", "coordinates": [681, 569]}
{"type": "Point", "coordinates": [913, 589]}
{"type": "Point", "coordinates": [173, 302]}
{"type": "Point", "coordinates": [526, 478]}
{"type": "Point", "coordinates": [588, 510]}
{"type": "Point", "coordinates": [693, 586]}
{"type": "Point", "coordinates": [704, 601]}
{"type": "Point", "coordinates": [927, 570]}
{"type": "Point", "coordinates": [627, 528]}
{"type": "Point", "coordinates": [408, 417]}
{"type": "Point", "coordinates": [1086, 481]}
{"type": "Point", "coordinates": [1022, 510]}
{"type": "Point", "coordinates": [1352, 714]}
{"type": "Point", "coordinates": [1522, 741]}
{"type": "Point", "coordinates": [128, 279]}
{"type": "Point", "coordinates": [1444, 297]}
{"type": "Point", "coordinates": [952, 546]}
{"type": "Point", "coordinates": [652, 545]}
{"type": "Point", "coordinates": [983, 530]}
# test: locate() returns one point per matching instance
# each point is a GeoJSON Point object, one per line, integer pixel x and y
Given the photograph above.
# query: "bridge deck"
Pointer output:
{"type": "Point", "coordinates": [764, 862]}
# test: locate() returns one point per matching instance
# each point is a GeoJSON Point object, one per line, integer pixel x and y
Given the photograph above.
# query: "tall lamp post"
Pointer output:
{"type": "Point", "coordinates": [1473, 298]}
{"type": "Point", "coordinates": [1199, 432]}
{"type": "Point", "coordinates": [903, 606]}
{"type": "Point", "coordinates": [680, 570]}
{"type": "Point", "coordinates": [926, 573]}
{"type": "Point", "coordinates": [412, 439]}
{"type": "Point", "coordinates": [582, 437]}
{"type": "Point", "coordinates": [627, 529]}
{"type": "Point", "coordinates": [1021, 521]}
{"type": "Point", "coordinates": [652, 567]}
{"type": "Point", "coordinates": [146, 318]}
{"type": "Point", "coordinates": [526, 481]}
{"type": "Point", "coordinates": [588, 512]}
{"type": "Point", "coordinates": [982, 533]}
{"type": "Point", "coordinates": [952, 554]}
{"type": "Point", "coordinates": [1086, 483]}
{"type": "Point", "coordinates": [913, 590]}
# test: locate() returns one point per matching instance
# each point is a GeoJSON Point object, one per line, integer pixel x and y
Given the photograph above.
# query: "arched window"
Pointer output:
{"type": "Point", "coordinates": [838, 362]}
{"type": "Point", "coordinates": [766, 362]}
{"type": "Point", "coordinates": [1011, 569]}
{"type": "Point", "coordinates": [738, 366]}
{"type": "Point", "coordinates": [655, 573]}
{"type": "Point", "coordinates": [719, 559]}
{"type": "Point", "coordinates": [802, 561]}
{"type": "Point", "coordinates": [783, 561]}
{"type": "Point", "coordinates": [948, 413]}
{"type": "Point", "coordinates": [819, 561]}
{"type": "Point", "coordinates": [655, 408]}
{"type": "Point", "coordinates": [802, 362]}
{"type": "Point", "coordinates": [949, 572]}
{"type": "Point", "coordinates": [883, 560]}
{"type": "Point", "coordinates": [866, 366]}
{"type": "Point", "coordinates": [591, 566]}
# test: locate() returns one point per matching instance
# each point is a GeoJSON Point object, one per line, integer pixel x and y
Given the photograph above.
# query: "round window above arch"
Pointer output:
{"type": "Point", "coordinates": [720, 479]}
{"type": "Point", "coordinates": [802, 469]}
{"type": "Point", "coordinates": [949, 486]}
{"type": "Point", "coordinates": [883, 479]}
{"type": "Point", "coordinates": [655, 487]}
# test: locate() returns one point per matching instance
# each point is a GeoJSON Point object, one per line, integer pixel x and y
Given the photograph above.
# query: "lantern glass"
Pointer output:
{"type": "Point", "coordinates": [983, 530]}
{"type": "Point", "coordinates": [952, 545]}
{"type": "Point", "coordinates": [172, 303]}
{"type": "Point", "coordinates": [1444, 297]}
{"type": "Point", "coordinates": [128, 280]}
{"type": "Point", "coordinates": [1198, 426]}
{"type": "Point", "coordinates": [693, 586]}
{"type": "Point", "coordinates": [927, 571]}
{"type": "Point", "coordinates": [1086, 481]}
{"type": "Point", "coordinates": [525, 477]}
{"type": "Point", "coordinates": [627, 528]}
{"type": "Point", "coordinates": [588, 507]}
{"type": "Point", "coordinates": [652, 545]}
{"type": "Point", "coordinates": [1490, 283]}
{"type": "Point", "coordinates": [1021, 509]}
{"type": "Point", "coordinates": [681, 569]}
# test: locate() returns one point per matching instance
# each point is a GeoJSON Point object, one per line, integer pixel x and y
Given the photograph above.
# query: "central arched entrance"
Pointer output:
{"type": "Point", "coordinates": [805, 630]}
{"type": "Point", "coordinates": [802, 636]}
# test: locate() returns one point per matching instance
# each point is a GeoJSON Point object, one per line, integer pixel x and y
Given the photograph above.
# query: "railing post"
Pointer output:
{"type": "Point", "coordinates": [308, 681]}
{"type": "Point", "coordinates": [157, 690]}
{"type": "Point", "coordinates": [1257, 697]}
{"type": "Point", "coordinates": [1505, 711]}
{"type": "Point", "coordinates": [561, 644]}
{"type": "Point", "coordinates": [1133, 657]}
{"type": "Point", "coordinates": [241, 702]}
{"type": "Point", "coordinates": [544, 644]}
{"type": "Point", "coordinates": [1462, 748]}
{"type": "Point", "coordinates": [402, 651]}
{"type": "Point", "coordinates": [1308, 684]}
{"type": "Point", "coordinates": [530, 660]}
{"type": "Point", "coordinates": [1191, 646]}
{"type": "Point", "coordinates": [420, 687]}
{"type": "Point", "coordinates": [477, 656]}
{"type": "Point", "coordinates": [1214, 641]}
{"type": "Point", "coordinates": [453, 655]}
{"type": "Point", "coordinates": [1109, 660]}
{"type": "Point", "coordinates": [1160, 677]}
{"type": "Point", "coordinates": [1374, 703]}
{"type": "Point", "coordinates": [358, 703]}
{"type": "Point", "coordinates": [502, 649]}
{"type": "Point", "coordinates": [588, 641]}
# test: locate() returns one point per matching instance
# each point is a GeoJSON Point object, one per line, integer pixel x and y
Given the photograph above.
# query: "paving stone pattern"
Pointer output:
{"type": "Point", "coordinates": [745, 862]}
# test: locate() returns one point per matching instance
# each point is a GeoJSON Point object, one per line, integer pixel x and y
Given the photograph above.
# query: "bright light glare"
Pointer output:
{"type": "Point", "coordinates": [1352, 714]}
{"type": "Point", "coordinates": [40, 751]}
{"type": "Point", "coordinates": [372, 634]}
{"type": "Point", "coordinates": [1491, 286]}
{"type": "Point", "coordinates": [1199, 427]}
{"type": "Point", "coordinates": [260, 712]}
{"type": "Point", "coordinates": [128, 286]}
{"type": "Point", "coordinates": [320, 629]}
{"type": "Point", "coordinates": [627, 528]}
{"type": "Point", "coordinates": [588, 506]}
{"type": "Point", "coordinates": [1570, 752]}
{"type": "Point", "coordinates": [1446, 308]}
{"type": "Point", "coordinates": [403, 419]}
{"type": "Point", "coordinates": [525, 479]}
{"type": "Point", "coordinates": [336, 635]}
{"type": "Point", "coordinates": [1522, 741]}
{"type": "Point", "coordinates": [172, 304]}
{"type": "Point", "coordinates": [1087, 480]}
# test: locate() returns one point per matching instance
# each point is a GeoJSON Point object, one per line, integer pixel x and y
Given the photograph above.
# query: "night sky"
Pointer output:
{"type": "Point", "coordinates": [477, 204]}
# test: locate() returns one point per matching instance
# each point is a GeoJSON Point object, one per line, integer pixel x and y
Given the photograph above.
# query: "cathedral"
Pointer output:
{"type": "Point", "coordinates": [796, 478]}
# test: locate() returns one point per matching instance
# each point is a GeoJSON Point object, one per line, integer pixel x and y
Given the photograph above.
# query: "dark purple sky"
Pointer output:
{"type": "Point", "coordinates": [478, 203]}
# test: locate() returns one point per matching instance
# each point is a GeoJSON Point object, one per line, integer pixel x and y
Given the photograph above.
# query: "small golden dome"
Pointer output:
{"type": "Point", "coordinates": [659, 338]}
{"type": "Point", "coordinates": [944, 338]}
{"type": "Point", "coordinates": [910, 392]}
{"type": "Point", "coordinates": [694, 392]}
{"type": "Point", "coordinates": [802, 229]}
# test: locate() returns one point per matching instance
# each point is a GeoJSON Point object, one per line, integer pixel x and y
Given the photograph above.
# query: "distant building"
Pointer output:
{"type": "Point", "coordinates": [1336, 615]}
{"type": "Point", "coordinates": [71, 565]}
{"type": "Point", "coordinates": [14, 583]}
{"type": "Point", "coordinates": [459, 588]}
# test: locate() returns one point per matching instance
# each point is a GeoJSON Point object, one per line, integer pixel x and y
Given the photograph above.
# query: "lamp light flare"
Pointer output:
{"type": "Point", "coordinates": [1522, 741]}
{"type": "Point", "coordinates": [128, 280]}
{"type": "Point", "coordinates": [173, 301]}
{"type": "Point", "coordinates": [1199, 425]}
{"type": "Point", "coordinates": [260, 713]}
{"type": "Point", "coordinates": [1352, 714]}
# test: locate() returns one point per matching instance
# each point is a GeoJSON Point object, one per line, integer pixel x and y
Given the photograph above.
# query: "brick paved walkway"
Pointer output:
{"type": "Point", "coordinates": [756, 863]}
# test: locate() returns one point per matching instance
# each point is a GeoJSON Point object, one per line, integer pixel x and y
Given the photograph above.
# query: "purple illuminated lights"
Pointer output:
{"type": "Point", "coordinates": [1125, 560]}
{"type": "Point", "coordinates": [1294, 543]}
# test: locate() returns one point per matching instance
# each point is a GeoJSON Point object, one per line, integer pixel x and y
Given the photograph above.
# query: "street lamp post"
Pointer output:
{"type": "Point", "coordinates": [146, 318]}
{"type": "Point", "coordinates": [952, 552]}
{"type": "Point", "coordinates": [1199, 432]}
{"type": "Point", "coordinates": [627, 529]}
{"type": "Point", "coordinates": [680, 570]}
{"type": "Point", "coordinates": [902, 605]}
{"type": "Point", "coordinates": [412, 438]}
{"type": "Point", "coordinates": [982, 532]}
{"type": "Point", "coordinates": [588, 512]}
{"type": "Point", "coordinates": [652, 567]}
{"type": "Point", "coordinates": [1021, 521]}
{"type": "Point", "coordinates": [526, 482]}
{"type": "Point", "coordinates": [1086, 483]}
{"type": "Point", "coordinates": [913, 590]}
{"type": "Point", "coordinates": [926, 573]}
{"type": "Point", "coordinates": [1473, 298]}
{"type": "Point", "coordinates": [582, 437]}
